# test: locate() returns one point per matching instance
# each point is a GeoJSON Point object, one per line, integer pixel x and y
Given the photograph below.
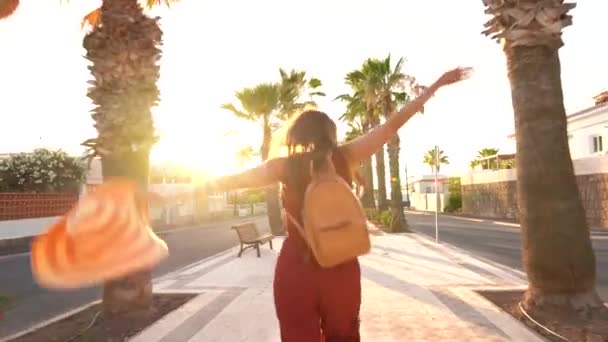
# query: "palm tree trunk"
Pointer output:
{"type": "Point", "coordinates": [368, 200]}
{"type": "Point", "coordinates": [273, 206]}
{"type": "Point", "coordinates": [380, 172]}
{"type": "Point", "coordinates": [132, 293]}
{"type": "Point", "coordinates": [124, 52]}
{"type": "Point", "coordinates": [398, 223]}
{"type": "Point", "coordinates": [381, 176]}
{"type": "Point", "coordinates": [552, 215]}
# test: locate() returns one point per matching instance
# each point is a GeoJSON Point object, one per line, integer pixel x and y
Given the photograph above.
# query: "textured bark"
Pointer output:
{"type": "Point", "coordinates": [380, 172]}
{"type": "Point", "coordinates": [557, 251]}
{"type": "Point", "coordinates": [399, 223]}
{"type": "Point", "coordinates": [124, 51]}
{"type": "Point", "coordinates": [133, 293]}
{"type": "Point", "coordinates": [368, 199]}
{"type": "Point", "coordinates": [381, 176]}
{"type": "Point", "coordinates": [273, 206]}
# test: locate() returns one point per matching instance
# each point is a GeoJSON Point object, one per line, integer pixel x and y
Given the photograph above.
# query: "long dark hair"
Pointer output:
{"type": "Point", "coordinates": [310, 138]}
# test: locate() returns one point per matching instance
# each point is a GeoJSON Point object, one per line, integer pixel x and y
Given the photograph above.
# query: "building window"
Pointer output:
{"type": "Point", "coordinates": [597, 144]}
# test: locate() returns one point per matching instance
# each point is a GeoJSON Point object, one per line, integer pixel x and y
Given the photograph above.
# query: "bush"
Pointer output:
{"type": "Point", "coordinates": [454, 203]}
{"type": "Point", "coordinates": [372, 215]}
{"type": "Point", "coordinates": [455, 198]}
{"type": "Point", "coordinates": [41, 171]}
{"type": "Point", "coordinates": [386, 218]}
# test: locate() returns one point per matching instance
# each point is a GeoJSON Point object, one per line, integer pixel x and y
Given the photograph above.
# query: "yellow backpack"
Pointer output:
{"type": "Point", "coordinates": [334, 224]}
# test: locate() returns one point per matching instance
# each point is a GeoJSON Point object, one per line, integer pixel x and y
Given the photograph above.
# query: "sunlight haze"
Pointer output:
{"type": "Point", "coordinates": [213, 48]}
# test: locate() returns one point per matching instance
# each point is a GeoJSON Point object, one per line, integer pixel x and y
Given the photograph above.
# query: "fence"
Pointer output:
{"type": "Point", "coordinates": [17, 206]}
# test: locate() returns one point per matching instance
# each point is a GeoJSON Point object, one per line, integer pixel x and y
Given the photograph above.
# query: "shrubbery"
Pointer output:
{"type": "Point", "coordinates": [41, 171]}
{"type": "Point", "coordinates": [454, 202]}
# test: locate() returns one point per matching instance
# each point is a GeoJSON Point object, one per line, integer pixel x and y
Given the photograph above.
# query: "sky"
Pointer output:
{"type": "Point", "coordinates": [213, 48]}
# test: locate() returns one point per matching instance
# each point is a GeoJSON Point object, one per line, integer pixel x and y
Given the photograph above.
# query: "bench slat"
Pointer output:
{"type": "Point", "coordinates": [248, 232]}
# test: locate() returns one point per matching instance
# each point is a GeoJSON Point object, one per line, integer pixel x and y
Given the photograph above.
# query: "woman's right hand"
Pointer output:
{"type": "Point", "coordinates": [454, 76]}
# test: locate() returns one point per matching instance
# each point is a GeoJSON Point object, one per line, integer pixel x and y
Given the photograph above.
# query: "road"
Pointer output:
{"type": "Point", "coordinates": [494, 241]}
{"type": "Point", "coordinates": [34, 304]}
{"type": "Point", "coordinates": [498, 242]}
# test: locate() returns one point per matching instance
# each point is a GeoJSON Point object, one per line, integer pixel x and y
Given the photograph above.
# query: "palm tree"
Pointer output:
{"type": "Point", "coordinates": [389, 84]}
{"type": "Point", "coordinates": [261, 104]}
{"type": "Point", "coordinates": [430, 159]}
{"type": "Point", "coordinates": [124, 91]}
{"type": "Point", "coordinates": [366, 82]}
{"type": "Point", "coordinates": [245, 155]}
{"type": "Point", "coordinates": [297, 92]}
{"type": "Point", "coordinates": [551, 213]}
{"type": "Point", "coordinates": [355, 114]}
{"type": "Point", "coordinates": [353, 121]}
{"type": "Point", "coordinates": [270, 104]}
{"type": "Point", "coordinates": [486, 163]}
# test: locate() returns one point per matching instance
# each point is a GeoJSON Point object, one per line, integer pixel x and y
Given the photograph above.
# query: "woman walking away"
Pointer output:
{"type": "Point", "coordinates": [315, 303]}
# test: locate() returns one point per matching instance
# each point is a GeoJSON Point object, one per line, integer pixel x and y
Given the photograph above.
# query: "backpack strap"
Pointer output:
{"type": "Point", "coordinates": [306, 254]}
{"type": "Point", "coordinates": [329, 165]}
{"type": "Point", "coordinates": [296, 224]}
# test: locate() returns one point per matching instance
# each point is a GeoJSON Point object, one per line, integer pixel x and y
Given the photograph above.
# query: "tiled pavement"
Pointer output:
{"type": "Point", "coordinates": [413, 290]}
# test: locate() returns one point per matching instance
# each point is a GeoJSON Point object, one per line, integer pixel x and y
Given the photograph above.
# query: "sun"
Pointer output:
{"type": "Point", "coordinates": [209, 154]}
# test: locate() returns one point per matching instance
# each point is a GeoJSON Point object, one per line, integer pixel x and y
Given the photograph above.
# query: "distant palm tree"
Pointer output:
{"type": "Point", "coordinates": [261, 104]}
{"type": "Point", "coordinates": [356, 116]}
{"type": "Point", "coordinates": [431, 160]}
{"type": "Point", "coordinates": [487, 164]}
{"type": "Point", "coordinates": [270, 104]}
{"type": "Point", "coordinates": [296, 92]}
{"type": "Point", "coordinates": [389, 84]}
{"type": "Point", "coordinates": [365, 83]}
{"type": "Point", "coordinates": [245, 155]}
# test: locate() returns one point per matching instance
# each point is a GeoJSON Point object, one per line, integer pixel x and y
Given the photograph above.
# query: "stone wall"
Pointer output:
{"type": "Point", "coordinates": [495, 200]}
{"type": "Point", "coordinates": [493, 194]}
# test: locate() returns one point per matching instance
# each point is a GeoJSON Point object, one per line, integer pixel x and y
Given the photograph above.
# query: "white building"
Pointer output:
{"type": "Point", "coordinates": [586, 130]}
{"type": "Point", "coordinates": [422, 194]}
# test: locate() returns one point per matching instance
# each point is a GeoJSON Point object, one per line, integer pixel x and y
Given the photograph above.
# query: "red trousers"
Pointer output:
{"type": "Point", "coordinates": [316, 304]}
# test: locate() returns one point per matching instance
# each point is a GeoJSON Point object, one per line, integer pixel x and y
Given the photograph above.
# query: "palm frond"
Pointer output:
{"type": "Point", "coordinates": [238, 113]}
{"type": "Point", "coordinates": [92, 19]}
{"type": "Point", "coordinates": [153, 3]}
{"type": "Point", "coordinates": [314, 83]}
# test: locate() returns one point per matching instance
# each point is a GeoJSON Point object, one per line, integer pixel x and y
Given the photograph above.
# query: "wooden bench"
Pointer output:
{"type": "Point", "coordinates": [249, 237]}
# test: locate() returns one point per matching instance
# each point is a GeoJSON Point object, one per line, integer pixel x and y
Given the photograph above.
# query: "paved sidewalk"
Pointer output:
{"type": "Point", "coordinates": [413, 290]}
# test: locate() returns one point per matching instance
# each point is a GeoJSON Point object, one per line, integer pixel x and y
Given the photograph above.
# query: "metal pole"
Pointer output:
{"type": "Point", "coordinates": [407, 188]}
{"type": "Point", "coordinates": [436, 195]}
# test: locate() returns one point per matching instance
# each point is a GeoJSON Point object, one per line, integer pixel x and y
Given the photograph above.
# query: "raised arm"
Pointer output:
{"type": "Point", "coordinates": [366, 145]}
{"type": "Point", "coordinates": [266, 174]}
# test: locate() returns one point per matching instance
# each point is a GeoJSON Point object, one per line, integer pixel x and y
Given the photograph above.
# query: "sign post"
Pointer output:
{"type": "Point", "coordinates": [436, 195]}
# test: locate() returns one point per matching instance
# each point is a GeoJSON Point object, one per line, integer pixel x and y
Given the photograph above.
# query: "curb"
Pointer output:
{"type": "Point", "coordinates": [597, 231]}
{"type": "Point", "coordinates": [155, 282]}
{"type": "Point", "coordinates": [15, 245]}
{"type": "Point", "coordinates": [513, 271]}
{"type": "Point", "coordinates": [50, 321]}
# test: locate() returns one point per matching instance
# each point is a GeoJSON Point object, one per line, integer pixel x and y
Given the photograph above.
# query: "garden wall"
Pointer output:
{"type": "Point", "coordinates": [493, 194]}
{"type": "Point", "coordinates": [17, 206]}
